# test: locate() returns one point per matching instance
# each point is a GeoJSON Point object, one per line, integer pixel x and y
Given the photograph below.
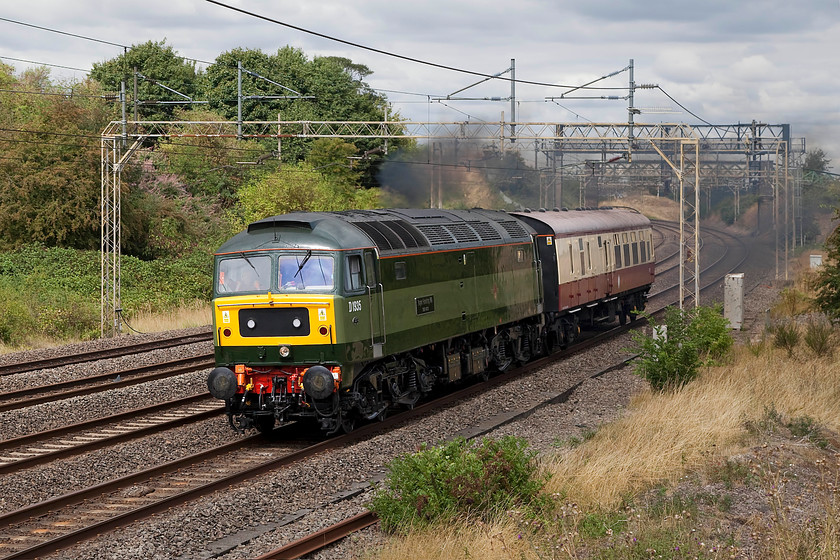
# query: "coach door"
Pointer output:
{"type": "Point", "coordinates": [376, 303]}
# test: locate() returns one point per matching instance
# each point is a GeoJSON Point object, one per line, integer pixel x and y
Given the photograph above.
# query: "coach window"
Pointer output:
{"type": "Point", "coordinates": [582, 257]}
{"type": "Point", "coordinates": [571, 259]}
{"type": "Point", "coordinates": [355, 278]}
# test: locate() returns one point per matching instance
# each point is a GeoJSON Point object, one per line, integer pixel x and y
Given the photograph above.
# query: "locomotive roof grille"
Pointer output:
{"type": "Point", "coordinates": [408, 233]}
{"type": "Point", "coordinates": [392, 234]}
{"type": "Point", "coordinates": [515, 229]}
{"type": "Point", "coordinates": [436, 234]}
{"type": "Point", "coordinates": [462, 233]}
{"type": "Point", "coordinates": [485, 231]}
{"type": "Point", "coordinates": [380, 239]}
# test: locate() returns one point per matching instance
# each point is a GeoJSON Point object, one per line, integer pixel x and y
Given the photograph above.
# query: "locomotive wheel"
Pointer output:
{"type": "Point", "coordinates": [348, 422]}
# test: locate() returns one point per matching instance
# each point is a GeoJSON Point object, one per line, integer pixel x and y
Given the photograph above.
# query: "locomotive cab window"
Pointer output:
{"type": "Point", "coordinates": [399, 271]}
{"type": "Point", "coordinates": [243, 274]}
{"type": "Point", "coordinates": [355, 278]}
{"type": "Point", "coordinates": [305, 271]}
{"type": "Point", "coordinates": [370, 269]}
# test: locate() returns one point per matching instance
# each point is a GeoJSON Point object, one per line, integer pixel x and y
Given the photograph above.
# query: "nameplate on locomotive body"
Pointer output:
{"type": "Point", "coordinates": [425, 304]}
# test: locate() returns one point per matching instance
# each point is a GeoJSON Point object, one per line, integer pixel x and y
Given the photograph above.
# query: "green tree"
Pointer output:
{"type": "Point", "coordinates": [820, 191]}
{"type": "Point", "coordinates": [325, 88]}
{"type": "Point", "coordinates": [816, 161]}
{"type": "Point", "coordinates": [295, 188]}
{"type": "Point", "coordinates": [211, 166]}
{"type": "Point", "coordinates": [161, 65]}
{"type": "Point", "coordinates": [49, 174]}
{"type": "Point", "coordinates": [332, 157]}
{"type": "Point", "coordinates": [828, 277]}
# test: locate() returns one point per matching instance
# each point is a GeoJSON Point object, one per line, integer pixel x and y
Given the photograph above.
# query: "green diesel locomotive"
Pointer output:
{"type": "Point", "coordinates": [339, 316]}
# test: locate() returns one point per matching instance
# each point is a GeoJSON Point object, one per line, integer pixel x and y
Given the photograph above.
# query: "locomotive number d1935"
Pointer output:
{"type": "Point", "coordinates": [354, 305]}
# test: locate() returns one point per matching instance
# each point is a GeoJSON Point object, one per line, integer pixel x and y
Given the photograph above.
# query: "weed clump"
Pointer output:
{"type": "Point", "coordinates": [680, 345]}
{"type": "Point", "coordinates": [455, 480]}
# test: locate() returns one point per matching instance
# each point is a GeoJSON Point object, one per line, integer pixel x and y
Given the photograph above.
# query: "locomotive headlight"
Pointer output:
{"type": "Point", "coordinates": [251, 323]}
{"type": "Point", "coordinates": [296, 323]}
{"type": "Point", "coordinates": [285, 351]}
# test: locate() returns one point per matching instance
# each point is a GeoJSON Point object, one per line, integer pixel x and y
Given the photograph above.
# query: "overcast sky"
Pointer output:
{"type": "Point", "coordinates": [726, 61]}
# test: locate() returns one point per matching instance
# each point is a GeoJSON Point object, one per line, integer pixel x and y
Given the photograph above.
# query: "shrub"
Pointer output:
{"type": "Point", "coordinates": [786, 336]}
{"type": "Point", "coordinates": [55, 292]}
{"type": "Point", "coordinates": [818, 336]}
{"type": "Point", "coordinates": [693, 338]}
{"type": "Point", "coordinates": [458, 478]}
{"type": "Point", "coordinates": [16, 320]}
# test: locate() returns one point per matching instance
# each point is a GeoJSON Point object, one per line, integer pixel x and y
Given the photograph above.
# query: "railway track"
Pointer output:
{"type": "Point", "coordinates": [30, 396]}
{"type": "Point", "coordinates": [81, 357]}
{"type": "Point", "coordinates": [28, 538]}
{"type": "Point", "coordinates": [52, 525]}
{"type": "Point", "coordinates": [38, 449]}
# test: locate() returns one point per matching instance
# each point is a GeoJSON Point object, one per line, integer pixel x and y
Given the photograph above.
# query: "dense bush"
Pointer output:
{"type": "Point", "coordinates": [457, 479]}
{"type": "Point", "coordinates": [693, 338]}
{"type": "Point", "coordinates": [55, 293]}
{"type": "Point", "coordinates": [827, 299]}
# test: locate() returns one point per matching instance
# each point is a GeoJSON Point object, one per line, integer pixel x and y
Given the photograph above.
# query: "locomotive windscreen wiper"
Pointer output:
{"type": "Point", "coordinates": [300, 267]}
{"type": "Point", "coordinates": [247, 260]}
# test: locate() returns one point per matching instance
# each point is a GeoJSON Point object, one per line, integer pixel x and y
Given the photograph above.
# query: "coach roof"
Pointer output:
{"type": "Point", "coordinates": [584, 222]}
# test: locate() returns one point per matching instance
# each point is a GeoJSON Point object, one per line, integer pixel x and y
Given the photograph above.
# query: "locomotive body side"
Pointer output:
{"type": "Point", "coordinates": [415, 298]}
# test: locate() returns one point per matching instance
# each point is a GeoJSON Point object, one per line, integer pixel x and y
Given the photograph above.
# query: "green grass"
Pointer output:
{"type": "Point", "coordinates": [54, 293]}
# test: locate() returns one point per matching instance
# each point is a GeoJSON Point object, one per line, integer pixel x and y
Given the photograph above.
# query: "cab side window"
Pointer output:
{"type": "Point", "coordinates": [355, 278]}
{"type": "Point", "coordinates": [370, 269]}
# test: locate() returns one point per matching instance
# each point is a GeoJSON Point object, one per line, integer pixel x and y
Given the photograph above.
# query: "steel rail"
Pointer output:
{"type": "Point", "coordinates": [96, 440]}
{"type": "Point", "coordinates": [22, 367]}
{"type": "Point", "coordinates": [48, 393]}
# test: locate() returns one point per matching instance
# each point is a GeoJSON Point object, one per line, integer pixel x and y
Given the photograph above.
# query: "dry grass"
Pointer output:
{"type": "Point", "coordinates": [500, 540]}
{"type": "Point", "coordinates": [654, 207]}
{"type": "Point", "coordinates": [194, 314]}
{"type": "Point", "coordinates": [661, 439]}
{"type": "Point", "coordinates": [665, 435]}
